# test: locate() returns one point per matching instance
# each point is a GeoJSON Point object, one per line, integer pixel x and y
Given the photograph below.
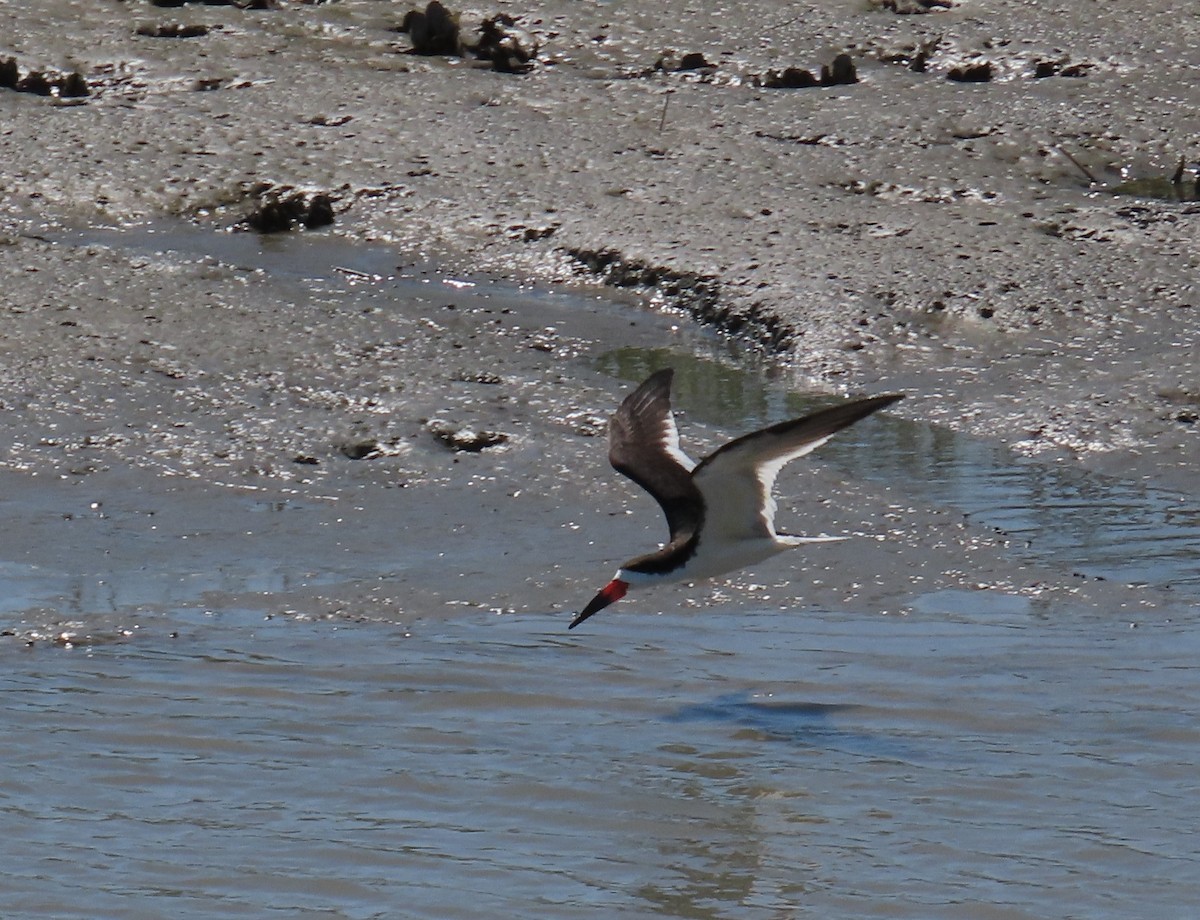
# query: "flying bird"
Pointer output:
{"type": "Point", "coordinates": [720, 511]}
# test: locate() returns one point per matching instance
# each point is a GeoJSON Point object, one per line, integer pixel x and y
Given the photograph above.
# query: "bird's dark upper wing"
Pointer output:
{"type": "Point", "coordinates": [643, 444]}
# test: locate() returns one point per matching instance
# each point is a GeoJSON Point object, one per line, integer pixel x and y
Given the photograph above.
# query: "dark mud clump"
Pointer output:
{"type": "Point", "coordinates": [1059, 68]}
{"type": "Point", "coordinates": [499, 40]}
{"type": "Point", "coordinates": [240, 4]}
{"type": "Point", "coordinates": [913, 7]}
{"type": "Point", "coordinates": [172, 30]}
{"type": "Point", "coordinates": [691, 61]}
{"type": "Point", "coordinates": [35, 82]}
{"type": "Point", "coordinates": [74, 86]}
{"type": "Point", "coordinates": [464, 438]}
{"type": "Point", "coordinates": [841, 72]}
{"type": "Point", "coordinates": [693, 292]}
{"type": "Point", "coordinates": [434, 31]}
{"type": "Point", "coordinates": [788, 78]}
{"type": "Point", "coordinates": [279, 212]}
{"type": "Point", "coordinates": [979, 72]}
{"type": "Point", "coordinates": [353, 450]}
{"type": "Point", "coordinates": [9, 73]}
{"type": "Point", "coordinates": [509, 47]}
{"type": "Point", "coordinates": [40, 83]}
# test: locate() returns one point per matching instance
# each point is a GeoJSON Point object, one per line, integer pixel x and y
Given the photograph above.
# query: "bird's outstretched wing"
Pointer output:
{"type": "Point", "coordinates": [736, 479]}
{"type": "Point", "coordinates": [643, 444]}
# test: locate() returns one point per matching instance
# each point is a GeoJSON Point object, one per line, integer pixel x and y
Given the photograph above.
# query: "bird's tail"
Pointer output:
{"type": "Point", "coordinates": [792, 539]}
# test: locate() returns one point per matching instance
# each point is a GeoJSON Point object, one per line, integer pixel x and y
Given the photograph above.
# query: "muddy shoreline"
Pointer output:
{"type": "Point", "coordinates": [973, 244]}
{"type": "Point", "coordinates": [908, 231]}
{"type": "Point", "coordinates": [332, 437]}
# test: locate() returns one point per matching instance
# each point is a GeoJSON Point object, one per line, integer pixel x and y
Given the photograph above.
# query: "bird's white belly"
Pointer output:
{"type": "Point", "coordinates": [720, 558]}
{"type": "Point", "coordinates": [711, 560]}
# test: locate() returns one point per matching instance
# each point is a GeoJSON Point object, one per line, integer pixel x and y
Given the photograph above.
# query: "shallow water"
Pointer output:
{"type": "Point", "coordinates": [986, 755]}
{"type": "Point", "coordinates": [740, 764]}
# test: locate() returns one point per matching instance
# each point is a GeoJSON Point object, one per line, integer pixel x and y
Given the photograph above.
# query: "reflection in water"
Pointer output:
{"type": "Point", "coordinates": [807, 725]}
{"type": "Point", "coordinates": [1099, 525]}
{"type": "Point", "coordinates": [703, 389]}
{"type": "Point", "coordinates": [775, 716]}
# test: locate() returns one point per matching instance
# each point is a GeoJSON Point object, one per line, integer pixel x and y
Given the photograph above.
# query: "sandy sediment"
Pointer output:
{"type": "Point", "coordinates": [954, 224]}
{"type": "Point", "coordinates": [138, 387]}
{"type": "Point", "coordinates": [909, 230]}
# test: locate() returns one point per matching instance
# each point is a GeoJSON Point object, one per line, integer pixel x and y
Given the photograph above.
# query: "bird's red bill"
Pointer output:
{"type": "Point", "coordinates": [609, 594]}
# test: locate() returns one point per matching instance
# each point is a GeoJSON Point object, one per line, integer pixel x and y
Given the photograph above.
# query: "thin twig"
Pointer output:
{"type": "Point", "coordinates": [1083, 169]}
{"type": "Point", "coordinates": [355, 273]}
{"type": "Point", "coordinates": [1177, 179]}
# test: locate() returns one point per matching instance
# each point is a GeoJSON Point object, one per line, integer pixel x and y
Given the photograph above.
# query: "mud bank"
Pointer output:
{"type": "Point", "coordinates": [298, 427]}
{"type": "Point", "coordinates": [971, 241]}
{"type": "Point", "coordinates": [957, 239]}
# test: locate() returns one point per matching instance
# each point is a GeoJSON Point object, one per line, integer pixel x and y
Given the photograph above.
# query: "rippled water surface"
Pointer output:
{"type": "Point", "coordinates": [988, 762]}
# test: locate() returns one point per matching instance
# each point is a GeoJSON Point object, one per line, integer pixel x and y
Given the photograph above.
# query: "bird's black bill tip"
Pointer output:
{"type": "Point", "coordinates": [609, 594]}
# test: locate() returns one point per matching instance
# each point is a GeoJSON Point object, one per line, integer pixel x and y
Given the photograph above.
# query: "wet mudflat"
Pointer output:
{"type": "Point", "coordinates": [999, 215]}
{"type": "Point", "coordinates": [244, 685]}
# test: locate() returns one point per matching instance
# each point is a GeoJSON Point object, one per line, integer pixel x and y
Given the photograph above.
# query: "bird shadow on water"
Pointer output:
{"type": "Point", "coordinates": [803, 724]}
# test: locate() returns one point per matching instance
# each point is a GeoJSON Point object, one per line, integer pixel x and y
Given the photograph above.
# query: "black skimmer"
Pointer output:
{"type": "Point", "coordinates": [720, 511]}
